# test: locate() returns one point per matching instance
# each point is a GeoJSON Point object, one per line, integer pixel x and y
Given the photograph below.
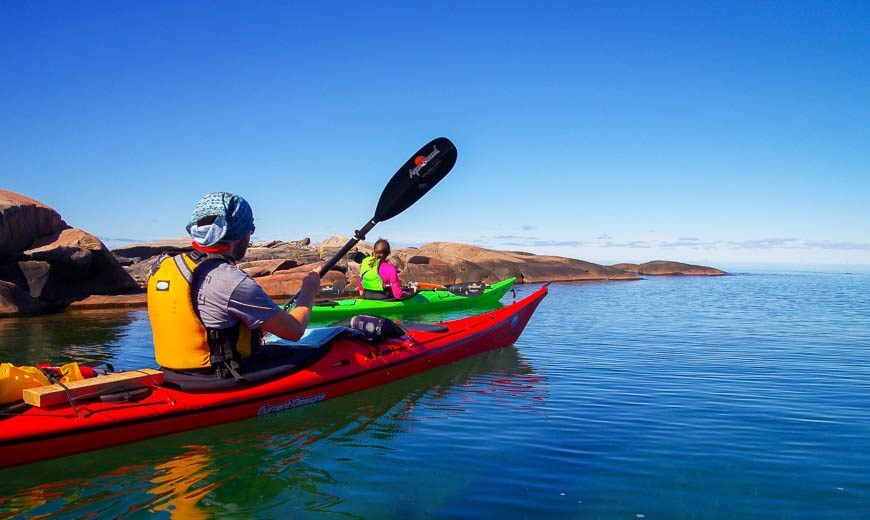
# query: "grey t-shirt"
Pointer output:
{"type": "Point", "coordinates": [225, 295]}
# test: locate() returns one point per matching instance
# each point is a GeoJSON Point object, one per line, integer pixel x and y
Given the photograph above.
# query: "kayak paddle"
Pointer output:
{"type": "Point", "coordinates": [414, 179]}
{"type": "Point", "coordinates": [467, 289]}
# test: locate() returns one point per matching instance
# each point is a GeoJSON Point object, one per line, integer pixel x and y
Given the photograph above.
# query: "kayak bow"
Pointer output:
{"type": "Point", "coordinates": [347, 363]}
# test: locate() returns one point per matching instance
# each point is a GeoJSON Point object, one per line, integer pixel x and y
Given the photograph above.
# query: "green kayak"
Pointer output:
{"type": "Point", "coordinates": [424, 301]}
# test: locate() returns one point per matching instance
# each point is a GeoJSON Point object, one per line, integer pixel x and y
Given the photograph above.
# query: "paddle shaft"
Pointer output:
{"type": "Point", "coordinates": [358, 235]}
{"type": "Point", "coordinates": [414, 179]}
{"type": "Point", "coordinates": [425, 286]}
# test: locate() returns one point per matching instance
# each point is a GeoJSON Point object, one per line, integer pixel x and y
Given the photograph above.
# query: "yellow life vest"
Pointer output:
{"type": "Point", "coordinates": [181, 341]}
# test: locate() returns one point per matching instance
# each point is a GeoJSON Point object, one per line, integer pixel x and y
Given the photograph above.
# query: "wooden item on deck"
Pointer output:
{"type": "Point", "coordinates": [51, 395]}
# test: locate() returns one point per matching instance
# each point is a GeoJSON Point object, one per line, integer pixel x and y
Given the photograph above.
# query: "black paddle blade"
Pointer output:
{"type": "Point", "coordinates": [468, 289]}
{"type": "Point", "coordinates": [417, 176]}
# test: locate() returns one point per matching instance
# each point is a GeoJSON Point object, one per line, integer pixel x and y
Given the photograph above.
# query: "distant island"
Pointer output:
{"type": "Point", "coordinates": [47, 265]}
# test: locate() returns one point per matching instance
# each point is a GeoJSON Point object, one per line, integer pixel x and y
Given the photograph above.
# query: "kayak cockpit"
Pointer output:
{"type": "Point", "coordinates": [279, 357]}
{"type": "Point", "coordinates": [276, 358]}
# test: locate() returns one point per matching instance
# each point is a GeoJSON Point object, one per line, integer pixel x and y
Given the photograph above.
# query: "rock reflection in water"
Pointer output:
{"type": "Point", "coordinates": [69, 336]}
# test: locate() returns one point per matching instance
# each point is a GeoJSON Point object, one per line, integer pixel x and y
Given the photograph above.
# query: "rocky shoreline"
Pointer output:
{"type": "Point", "coordinates": [46, 265]}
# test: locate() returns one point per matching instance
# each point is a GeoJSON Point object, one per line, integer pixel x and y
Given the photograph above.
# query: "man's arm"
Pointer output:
{"type": "Point", "coordinates": [291, 325]}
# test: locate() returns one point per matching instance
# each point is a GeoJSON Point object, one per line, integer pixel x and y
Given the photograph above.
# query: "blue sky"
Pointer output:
{"type": "Point", "coordinates": [704, 132]}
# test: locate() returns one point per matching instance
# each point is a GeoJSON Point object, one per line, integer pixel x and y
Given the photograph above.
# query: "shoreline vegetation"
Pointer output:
{"type": "Point", "coordinates": [47, 265]}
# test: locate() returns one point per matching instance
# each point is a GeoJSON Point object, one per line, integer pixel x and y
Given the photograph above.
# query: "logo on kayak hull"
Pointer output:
{"type": "Point", "coordinates": [292, 403]}
{"type": "Point", "coordinates": [421, 161]}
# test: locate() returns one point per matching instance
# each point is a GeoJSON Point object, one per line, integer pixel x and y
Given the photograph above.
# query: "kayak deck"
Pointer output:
{"type": "Point", "coordinates": [348, 364]}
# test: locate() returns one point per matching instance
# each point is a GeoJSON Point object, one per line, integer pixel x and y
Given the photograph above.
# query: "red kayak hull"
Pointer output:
{"type": "Point", "coordinates": [352, 364]}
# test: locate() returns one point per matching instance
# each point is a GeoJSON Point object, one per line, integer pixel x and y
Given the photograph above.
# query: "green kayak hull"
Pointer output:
{"type": "Point", "coordinates": [422, 302]}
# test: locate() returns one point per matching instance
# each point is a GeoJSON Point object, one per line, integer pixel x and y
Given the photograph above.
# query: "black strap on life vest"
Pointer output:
{"type": "Point", "coordinates": [224, 356]}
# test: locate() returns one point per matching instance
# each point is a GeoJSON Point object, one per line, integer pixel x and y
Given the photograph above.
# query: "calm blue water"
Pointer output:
{"type": "Point", "coordinates": [743, 396]}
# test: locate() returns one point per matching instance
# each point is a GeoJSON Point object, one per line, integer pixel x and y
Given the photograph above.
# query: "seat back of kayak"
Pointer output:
{"type": "Point", "coordinates": [276, 358]}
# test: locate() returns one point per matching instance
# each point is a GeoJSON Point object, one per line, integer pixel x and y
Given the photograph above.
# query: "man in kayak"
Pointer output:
{"type": "Point", "coordinates": [378, 279]}
{"type": "Point", "coordinates": [207, 314]}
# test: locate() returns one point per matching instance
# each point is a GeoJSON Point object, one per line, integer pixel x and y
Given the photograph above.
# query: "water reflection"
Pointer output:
{"type": "Point", "coordinates": [95, 335]}
{"type": "Point", "coordinates": [272, 465]}
{"type": "Point", "coordinates": [179, 484]}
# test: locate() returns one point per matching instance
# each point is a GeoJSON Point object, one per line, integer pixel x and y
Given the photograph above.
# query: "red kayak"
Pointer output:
{"type": "Point", "coordinates": [329, 363]}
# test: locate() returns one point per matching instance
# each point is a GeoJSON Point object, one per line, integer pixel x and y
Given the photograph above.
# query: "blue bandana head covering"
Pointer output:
{"type": "Point", "coordinates": [233, 219]}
